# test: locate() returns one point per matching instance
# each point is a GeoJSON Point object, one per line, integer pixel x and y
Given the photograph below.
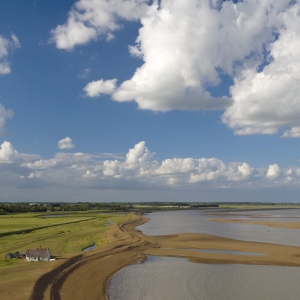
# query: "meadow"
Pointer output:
{"type": "Point", "coordinates": [64, 233]}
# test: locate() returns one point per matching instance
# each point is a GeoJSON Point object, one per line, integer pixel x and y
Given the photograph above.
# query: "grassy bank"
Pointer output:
{"type": "Point", "coordinates": [63, 233]}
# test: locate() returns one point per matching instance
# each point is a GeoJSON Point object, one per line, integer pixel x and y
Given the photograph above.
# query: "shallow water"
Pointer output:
{"type": "Point", "coordinates": [90, 248]}
{"type": "Point", "coordinates": [164, 278]}
{"type": "Point", "coordinates": [194, 221]}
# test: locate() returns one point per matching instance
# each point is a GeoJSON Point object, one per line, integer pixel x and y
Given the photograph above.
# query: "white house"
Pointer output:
{"type": "Point", "coordinates": [38, 254]}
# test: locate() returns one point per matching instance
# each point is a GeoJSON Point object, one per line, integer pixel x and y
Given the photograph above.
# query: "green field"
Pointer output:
{"type": "Point", "coordinates": [63, 233]}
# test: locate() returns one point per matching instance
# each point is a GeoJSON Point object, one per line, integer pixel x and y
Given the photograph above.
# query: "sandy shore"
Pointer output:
{"type": "Point", "coordinates": [85, 276]}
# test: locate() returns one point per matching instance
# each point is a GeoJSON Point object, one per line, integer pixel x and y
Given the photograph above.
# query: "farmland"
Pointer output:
{"type": "Point", "coordinates": [64, 233]}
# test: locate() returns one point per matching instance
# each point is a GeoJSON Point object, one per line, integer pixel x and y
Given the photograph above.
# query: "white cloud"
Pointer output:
{"type": "Point", "coordinates": [96, 88]}
{"type": "Point", "coordinates": [41, 164]}
{"type": "Point", "coordinates": [207, 170]}
{"type": "Point", "coordinates": [7, 45]}
{"type": "Point", "coordinates": [4, 115]}
{"type": "Point", "coordinates": [269, 100]}
{"type": "Point", "coordinates": [34, 175]}
{"type": "Point", "coordinates": [89, 19]}
{"type": "Point", "coordinates": [181, 60]}
{"type": "Point", "coordinates": [65, 143]}
{"type": "Point", "coordinates": [292, 133]}
{"type": "Point", "coordinates": [177, 165]}
{"type": "Point", "coordinates": [273, 171]}
{"type": "Point", "coordinates": [138, 170]}
{"type": "Point", "coordinates": [138, 155]}
{"type": "Point", "coordinates": [254, 42]}
{"type": "Point", "coordinates": [7, 153]}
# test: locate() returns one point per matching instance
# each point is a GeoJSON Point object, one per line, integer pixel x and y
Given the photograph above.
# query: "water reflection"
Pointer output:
{"type": "Point", "coordinates": [177, 279]}
{"type": "Point", "coordinates": [222, 251]}
{"type": "Point", "coordinates": [163, 223]}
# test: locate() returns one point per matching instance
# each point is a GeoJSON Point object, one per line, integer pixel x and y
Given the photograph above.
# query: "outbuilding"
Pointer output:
{"type": "Point", "coordinates": [8, 255]}
{"type": "Point", "coordinates": [38, 254]}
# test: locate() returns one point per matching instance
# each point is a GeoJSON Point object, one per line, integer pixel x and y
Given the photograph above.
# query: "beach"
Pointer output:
{"type": "Point", "coordinates": [85, 276]}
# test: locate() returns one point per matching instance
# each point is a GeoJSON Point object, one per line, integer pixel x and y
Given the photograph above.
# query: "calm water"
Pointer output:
{"type": "Point", "coordinates": [164, 278]}
{"type": "Point", "coordinates": [168, 278]}
{"type": "Point", "coordinates": [90, 248]}
{"type": "Point", "coordinates": [163, 223]}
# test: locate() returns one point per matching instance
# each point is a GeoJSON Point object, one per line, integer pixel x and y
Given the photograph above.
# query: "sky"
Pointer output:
{"type": "Point", "coordinates": [136, 100]}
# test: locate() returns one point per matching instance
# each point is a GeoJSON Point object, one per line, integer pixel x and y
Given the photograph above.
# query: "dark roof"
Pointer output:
{"type": "Point", "coordinates": [38, 252]}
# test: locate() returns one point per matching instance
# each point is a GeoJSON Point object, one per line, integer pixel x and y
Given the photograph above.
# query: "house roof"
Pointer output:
{"type": "Point", "coordinates": [38, 252]}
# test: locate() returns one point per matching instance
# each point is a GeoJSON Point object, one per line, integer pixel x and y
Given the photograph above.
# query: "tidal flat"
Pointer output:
{"type": "Point", "coordinates": [162, 277]}
{"type": "Point", "coordinates": [89, 275]}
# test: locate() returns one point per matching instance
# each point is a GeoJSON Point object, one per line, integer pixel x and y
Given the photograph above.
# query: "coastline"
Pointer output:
{"type": "Point", "coordinates": [87, 275]}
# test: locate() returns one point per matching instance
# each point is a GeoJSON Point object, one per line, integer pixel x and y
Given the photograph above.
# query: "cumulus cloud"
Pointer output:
{"type": "Point", "coordinates": [273, 171]}
{"type": "Point", "coordinates": [181, 60]}
{"type": "Point", "coordinates": [96, 88]}
{"type": "Point", "coordinates": [269, 100]}
{"type": "Point", "coordinates": [292, 133]}
{"type": "Point", "coordinates": [65, 143]}
{"type": "Point", "coordinates": [6, 46]}
{"type": "Point", "coordinates": [254, 42]}
{"type": "Point", "coordinates": [34, 175]}
{"type": "Point", "coordinates": [89, 20]}
{"type": "Point", "coordinates": [41, 164]}
{"type": "Point", "coordinates": [7, 153]}
{"type": "Point", "coordinates": [137, 170]}
{"type": "Point", "coordinates": [138, 155]}
{"type": "Point", "coordinates": [140, 169]}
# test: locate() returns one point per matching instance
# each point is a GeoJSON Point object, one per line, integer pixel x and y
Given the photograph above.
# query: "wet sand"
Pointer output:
{"type": "Point", "coordinates": [85, 276]}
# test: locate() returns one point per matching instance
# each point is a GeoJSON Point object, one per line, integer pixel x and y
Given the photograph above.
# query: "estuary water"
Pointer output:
{"type": "Point", "coordinates": [164, 278]}
{"type": "Point", "coordinates": [169, 278]}
{"type": "Point", "coordinates": [195, 221]}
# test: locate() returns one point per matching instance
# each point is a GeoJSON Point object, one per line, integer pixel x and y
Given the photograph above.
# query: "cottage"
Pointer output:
{"type": "Point", "coordinates": [38, 254]}
{"type": "Point", "coordinates": [8, 255]}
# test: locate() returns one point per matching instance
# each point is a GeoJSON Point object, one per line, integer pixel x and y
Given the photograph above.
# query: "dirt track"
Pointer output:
{"type": "Point", "coordinates": [85, 276]}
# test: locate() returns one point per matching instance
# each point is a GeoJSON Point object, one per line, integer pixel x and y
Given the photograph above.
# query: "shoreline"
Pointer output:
{"type": "Point", "coordinates": [86, 276]}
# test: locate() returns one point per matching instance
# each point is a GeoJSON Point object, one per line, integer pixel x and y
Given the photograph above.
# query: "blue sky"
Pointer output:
{"type": "Point", "coordinates": [139, 100]}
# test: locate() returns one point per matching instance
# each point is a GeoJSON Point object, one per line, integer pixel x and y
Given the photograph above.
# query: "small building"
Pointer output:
{"type": "Point", "coordinates": [38, 254]}
{"type": "Point", "coordinates": [22, 255]}
{"type": "Point", "coordinates": [15, 255]}
{"type": "Point", "coordinates": [8, 255]}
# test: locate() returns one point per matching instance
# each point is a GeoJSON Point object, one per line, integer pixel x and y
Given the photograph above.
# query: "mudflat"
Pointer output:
{"type": "Point", "coordinates": [85, 276]}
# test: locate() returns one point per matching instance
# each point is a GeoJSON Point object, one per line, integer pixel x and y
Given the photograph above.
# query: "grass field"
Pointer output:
{"type": "Point", "coordinates": [63, 233]}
